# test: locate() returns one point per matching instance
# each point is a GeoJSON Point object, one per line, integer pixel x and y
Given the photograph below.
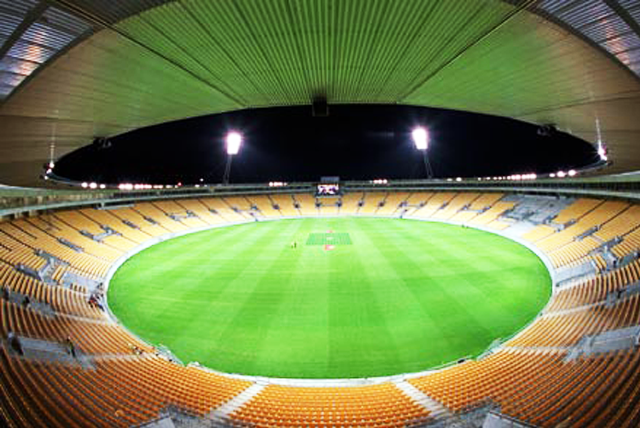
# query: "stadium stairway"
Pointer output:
{"type": "Point", "coordinates": [236, 402]}
{"type": "Point", "coordinates": [436, 409]}
{"type": "Point", "coordinates": [623, 339]}
{"type": "Point", "coordinates": [50, 352]}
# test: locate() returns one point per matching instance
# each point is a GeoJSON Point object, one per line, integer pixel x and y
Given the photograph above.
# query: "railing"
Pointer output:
{"type": "Point", "coordinates": [16, 200]}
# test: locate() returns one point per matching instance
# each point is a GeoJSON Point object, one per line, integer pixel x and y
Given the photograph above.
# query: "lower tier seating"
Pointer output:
{"type": "Point", "coordinates": [126, 383]}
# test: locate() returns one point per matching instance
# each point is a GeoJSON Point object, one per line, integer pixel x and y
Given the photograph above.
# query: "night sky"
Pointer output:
{"type": "Point", "coordinates": [356, 142]}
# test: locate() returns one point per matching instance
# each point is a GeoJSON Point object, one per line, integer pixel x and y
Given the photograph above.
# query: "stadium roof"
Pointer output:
{"type": "Point", "coordinates": [71, 70]}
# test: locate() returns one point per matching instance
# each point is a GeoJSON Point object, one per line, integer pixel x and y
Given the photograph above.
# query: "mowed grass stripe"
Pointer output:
{"type": "Point", "coordinates": [412, 301]}
{"type": "Point", "coordinates": [237, 311]}
{"type": "Point", "coordinates": [405, 296]}
{"type": "Point", "coordinates": [502, 272]}
{"type": "Point", "coordinates": [184, 288]}
{"type": "Point", "coordinates": [298, 341]}
{"type": "Point", "coordinates": [438, 310]}
{"type": "Point", "coordinates": [260, 301]}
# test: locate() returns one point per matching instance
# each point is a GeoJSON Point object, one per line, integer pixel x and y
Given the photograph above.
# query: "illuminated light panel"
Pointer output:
{"type": "Point", "coordinates": [420, 138]}
{"type": "Point", "coordinates": [234, 141]}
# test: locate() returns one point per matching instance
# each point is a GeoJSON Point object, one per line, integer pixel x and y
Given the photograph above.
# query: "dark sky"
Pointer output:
{"type": "Point", "coordinates": [355, 142]}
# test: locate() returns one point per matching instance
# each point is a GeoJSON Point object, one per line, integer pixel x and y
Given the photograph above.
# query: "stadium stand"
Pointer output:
{"type": "Point", "coordinates": [264, 205]}
{"type": "Point", "coordinates": [239, 204]}
{"type": "Point", "coordinates": [458, 203]}
{"type": "Point", "coordinates": [355, 406]}
{"type": "Point", "coordinates": [492, 213]}
{"type": "Point", "coordinates": [417, 199]}
{"type": "Point", "coordinates": [285, 205]}
{"type": "Point", "coordinates": [218, 206]}
{"type": "Point", "coordinates": [433, 205]}
{"type": "Point", "coordinates": [372, 202]}
{"type": "Point", "coordinates": [351, 203]}
{"type": "Point", "coordinates": [329, 205]}
{"type": "Point", "coordinates": [135, 220]}
{"type": "Point", "coordinates": [542, 376]}
{"type": "Point", "coordinates": [392, 203]}
{"type": "Point", "coordinates": [306, 204]}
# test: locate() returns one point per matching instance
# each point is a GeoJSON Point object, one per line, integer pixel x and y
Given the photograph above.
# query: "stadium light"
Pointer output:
{"type": "Point", "coordinates": [233, 142]}
{"type": "Point", "coordinates": [420, 138]}
{"type": "Point", "coordinates": [602, 151]}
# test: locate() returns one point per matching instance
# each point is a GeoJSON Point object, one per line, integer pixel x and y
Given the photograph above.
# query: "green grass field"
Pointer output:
{"type": "Point", "coordinates": [392, 296]}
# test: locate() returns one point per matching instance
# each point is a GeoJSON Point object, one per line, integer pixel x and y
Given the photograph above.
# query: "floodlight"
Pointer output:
{"type": "Point", "coordinates": [234, 140]}
{"type": "Point", "coordinates": [420, 138]}
{"type": "Point", "coordinates": [602, 152]}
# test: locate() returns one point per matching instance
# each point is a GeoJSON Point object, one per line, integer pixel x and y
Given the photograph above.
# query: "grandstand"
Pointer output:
{"type": "Point", "coordinates": [79, 72]}
{"type": "Point", "coordinates": [116, 379]}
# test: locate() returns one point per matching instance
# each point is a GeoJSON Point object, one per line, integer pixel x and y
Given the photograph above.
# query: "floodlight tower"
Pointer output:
{"type": "Point", "coordinates": [233, 142]}
{"type": "Point", "coordinates": [421, 139]}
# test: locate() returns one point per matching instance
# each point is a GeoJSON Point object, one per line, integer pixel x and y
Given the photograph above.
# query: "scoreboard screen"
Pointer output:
{"type": "Point", "coordinates": [328, 190]}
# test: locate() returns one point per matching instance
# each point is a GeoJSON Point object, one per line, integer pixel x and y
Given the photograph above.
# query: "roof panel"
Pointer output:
{"type": "Point", "coordinates": [585, 13]}
{"type": "Point", "coordinates": [11, 79]}
{"type": "Point", "coordinates": [113, 11]}
{"type": "Point", "coordinates": [632, 56]}
{"type": "Point", "coordinates": [50, 30]}
{"type": "Point", "coordinates": [596, 21]}
{"type": "Point", "coordinates": [19, 7]}
{"type": "Point", "coordinates": [64, 21]}
{"type": "Point", "coordinates": [606, 28]}
{"type": "Point", "coordinates": [31, 52]}
{"type": "Point", "coordinates": [8, 23]}
{"type": "Point", "coordinates": [629, 4]}
{"type": "Point", "coordinates": [47, 36]}
{"type": "Point", "coordinates": [5, 90]}
{"type": "Point", "coordinates": [556, 6]}
{"type": "Point", "coordinates": [621, 44]}
{"type": "Point", "coordinates": [17, 66]}
{"type": "Point", "coordinates": [160, 60]}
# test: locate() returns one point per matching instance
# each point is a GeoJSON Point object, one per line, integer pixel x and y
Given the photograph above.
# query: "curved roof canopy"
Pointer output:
{"type": "Point", "coordinates": [72, 70]}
